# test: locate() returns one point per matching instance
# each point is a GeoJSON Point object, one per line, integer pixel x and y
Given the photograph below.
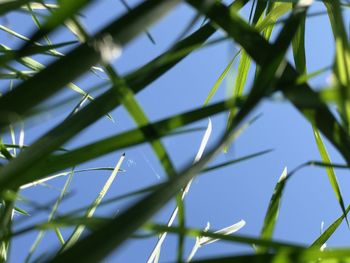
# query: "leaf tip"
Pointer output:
{"type": "Point", "coordinates": [283, 175]}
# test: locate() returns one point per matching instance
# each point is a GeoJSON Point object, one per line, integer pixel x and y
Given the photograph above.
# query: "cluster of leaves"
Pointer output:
{"type": "Point", "coordinates": [46, 159]}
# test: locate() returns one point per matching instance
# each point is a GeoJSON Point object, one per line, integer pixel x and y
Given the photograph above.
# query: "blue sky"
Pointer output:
{"type": "Point", "coordinates": [222, 197]}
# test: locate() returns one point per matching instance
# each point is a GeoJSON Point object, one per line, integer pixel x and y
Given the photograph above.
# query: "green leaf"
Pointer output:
{"type": "Point", "coordinates": [51, 217]}
{"type": "Point", "coordinates": [126, 223]}
{"type": "Point", "coordinates": [322, 239]}
{"type": "Point", "coordinates": [9, 6]}
{"type": "Point", "coordinates": [220, 79]}
{"type": "Point", "coordinates": [262, 23]}
{"type": "Point", "coordinates": [129, 138]}
{"type": "Point", "coordinates": [273, 13]}
{"type": "Point", "coordinates": [192, 232]}
{"type": "Point", "coordinates": [21, 211]}
{"type": "Point", "coordinates": [285, 255]}
{"type": "Point", "coordinates": [300, 62]}
{"type": "Point", "coordinates": [120, 32]}
{"type": "Point", "coordinates": [298, 44]}
{"type": "Point", "coordinates": [342, 58]}
{"type": "Point", "coordinates": [126, 97]}
{"type": "Point", "coordinates": [66, 10]}
{"type": "Point", "coordinates": [330, 172]}
{"type": "Point", "coordinates": [256, 47]}
{"type": "Point", "coordinates": [273, 210]}
{"type": "Point", "coordinates": [91, 210]}
{"type": "Point", "coordinates": [244, 158]}
{"type": "Point", "coordinates": [106, 102]}
{"type": "Point", "coordinates": [179, 210]}
{"type": "Point", "coordinates": [148, 34]}
{"type": "Point", "coordinates": [11, 54]}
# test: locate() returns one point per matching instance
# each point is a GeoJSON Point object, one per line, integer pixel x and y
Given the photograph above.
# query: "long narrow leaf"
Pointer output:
{"type": "Point", "coordinates": [91, 210]}
{"type": "Point", "coordinates": [107, 42]}
{"type": "Point", "coordinates": [171, 220]}
{"type": "Point", "coordinates": [108, 100]}
{"type": "Point", "coordinates": [273, 210]}
{"type": "Point", "coordinates": [330, 172]}
{"type": "Point", "coordinates": [126, 223]}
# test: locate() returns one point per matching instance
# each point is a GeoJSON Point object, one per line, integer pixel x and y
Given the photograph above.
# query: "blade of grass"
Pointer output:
{"type": "Point", "coordinates": [287, 255]}
{"type": "Point", "coordinates": [127, 98]}
{"type": "Point", "coordinates": [38, 182]}
{"type": "Point", "coordinates": [273, 13]}
{"type": "Point", "coordinates": [112, 37]}
{"type": "Point", "coordinates": [66, 9]}
{"type": "Point", "coordinates": [9, 6]}
{"type": "Point", "coordinates": [318, 243]}
{"type": "Point", "coordinates": [254, 98]}
{"type": "Point", "coordinates": [220, 79]}
{"type": "Point", "coordinates": [50, 52]}
{"type": "Point", "coordinates": [123, 140]}
{"type": "Point", "coordinates": [157, 248]}
{"type": "Point", "coordinates": [308, 76]}
{"type": "Point", "coordinates": [273, 210]}
{"type": "Point", "coordinates": [41, 233]}
{"type": "Point", "coordinates": [43, 49]}
{"type": "Point", "coordinates": [148, 34]}
{"type": "Point", "coordinates": [126, 223]}
{"type": "Point", "coordinates": [40, 6]}
{"type": "Point", "coordinates": [154, 187]}
{"type": "Point", "coordinates": [342, 61]}
{"type": "Point", "coordinates": [6, 214]}
{"type": "Point", "coordinates": [21, 211]}
{"type": "Point", "coordinates": [300, 62]}
{"type": "Point", "coordinates": [244, 158]}
{"type": "Point", "coordinates": [107, 101]}
{"type": "Point", "coordinates": [91, 210]}
{"type": "Point", "coordinates": [148, 73]}
{"type": "Point", "coordinates": [202, 241]}
{"type": "Point", "coordinates": [221, 236]}
{"type": "Point", "coordinates": [26, 39]}
{"type": "Point", "coordinates": [320, 115]}
{"type": "Point", "coordinates": [298, 45]}
{"type": "Point", "coordinates": [330, 172]}
{"type": "Point", "coordinates": [260, 23]}
{"type": "Point", "coordinates": [148, 205]}
{"type": "Point", "coordinates": [37, 66]}
{"type": "Point", "coordinates": [94, 223]}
